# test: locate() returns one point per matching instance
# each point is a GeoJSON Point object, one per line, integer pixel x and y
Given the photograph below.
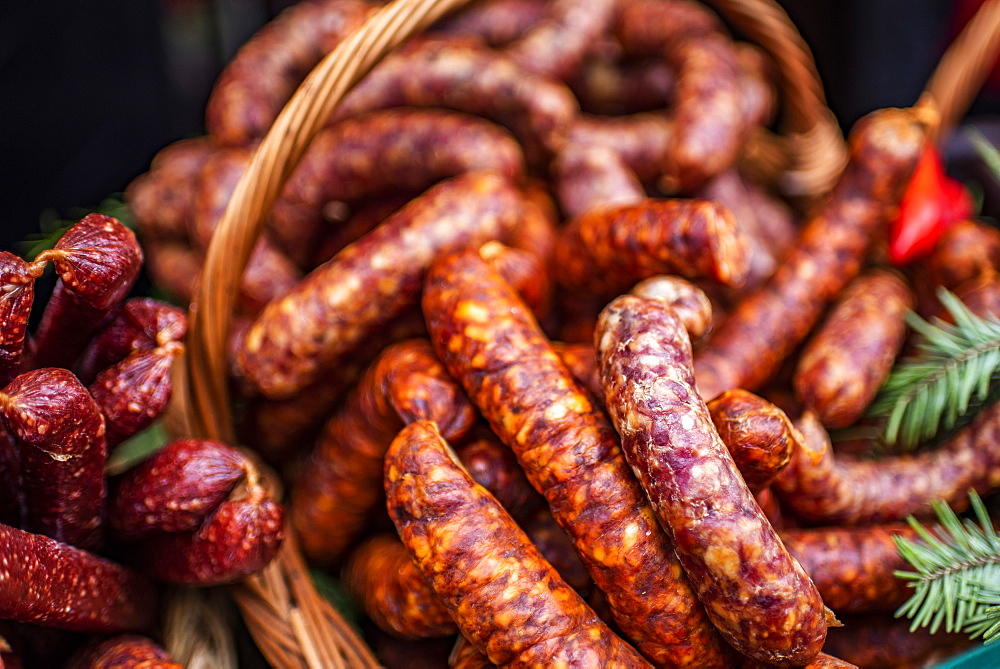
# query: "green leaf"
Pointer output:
{"type": "Point", "coordinates": [51, 227]}
{"type": "Point", "coordinates": [955, 374]}
{"type": "Point", "coordinates": [136, 449]}
{"type": "Point", "coordinates": [987, 152]}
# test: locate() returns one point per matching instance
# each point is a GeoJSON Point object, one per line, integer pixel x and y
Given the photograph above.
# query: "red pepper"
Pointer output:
{"type": "Point", "coordinates": [932, 203]}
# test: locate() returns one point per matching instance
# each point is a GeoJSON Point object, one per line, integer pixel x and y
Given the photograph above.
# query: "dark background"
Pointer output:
{"type": "Point", "coordinates": [89, 91]}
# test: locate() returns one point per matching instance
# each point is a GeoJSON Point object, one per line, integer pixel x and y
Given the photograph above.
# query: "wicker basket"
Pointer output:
{"type": "Point", "coordinates": [290, 623]}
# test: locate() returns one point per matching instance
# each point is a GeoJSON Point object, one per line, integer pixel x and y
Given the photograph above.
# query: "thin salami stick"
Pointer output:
{"type": "Point", "coordinates": [500, 591]}
{"type": "Point", "coordinates": [128, 651]}
{"type": "Point", "coordinates": [337, 491]}
{"type": "Point", "coordinates": [367, 284]}
{"type": "Point", "coordinates": [469, 78]}
{"type": "Point", "coordinates": [769, 322]}
{"type": "Point", "coordinates": [557, 45]}
{"type": "Point", "coordinates": [758, 596]}
{"type": "Point", "coordinates": [97, 261]}
{"type": "Point", "coordinates": [142, 324]}
{"type": "Point", "coordinates": [60, 441]}
{"type": "Point", "coordinates": [17, 294]}
{"type": "Point", "coordinates": [391, 149]}
{"type": "Point", "coordinates": [487, 340]}
{"type": "Point", "coordinates": [393, 591]}
{"type": "Point", "coordinates": [605, 252]}
{"type": "Point", "coordinates": [56, 585]}
{"type": "Point", "coordinates": [757, 434]}
{"type": "Point", "coordinates": [828, 490]}
{"type": "Point", "coordinates": [261, 77]}
{"type": "Point", "coordinates": [851, 353]}
{"type": "Point", "coordinates": [853, 568]}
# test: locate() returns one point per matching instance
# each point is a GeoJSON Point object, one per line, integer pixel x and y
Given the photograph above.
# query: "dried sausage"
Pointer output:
{"type": "Point", "coordinates": [686, 300]}
{"type": "Point", "coordinates": [262, 76]}
{"type": "Point", "coordinates": [759, 597]}
{"type": "Point", "coordinates": [758, 435]}
{"type": "Point", "coordinates": [769, 322]}
{"type": "Point", "coordinates": [496, 22]}
{"type": "Point", "coordinates": [641, 141]}
{"type": "Point", "coordinates": [17, 283]}
{"type": "Point", "coordinates": [123, 652]}
{"type": "Point", "coordinates": [492, 465]}
{"type": "Point", "coordinates": [487, 340]}
{"type": "Point", "coordinates": [393, 592]}
{"type": "Point", "coordinates": [557, 44]}
{"type": "Point", "coordinates": [328, 314]}
{"type": "Point", "coordinates": [59, 432]}
{"type": "Point", "coordinates": [500, 591]}
{"type": "Point", "coordinates": [337, 491]}
{"type": "Point", "coordinates": [53, 584]}
{"type": "Point", "coordinates": [883, 642]}
{"type": "Point", "coordinates": [850, 355]}
{"type": "Point", "coordinates": [590, 177]}
{"type": "Point", "coordinates": [605, 252]}
{"type": "Point", "coordinates": [97, 262]}
{"type": "Point", "coordinates": [826, 490]}
{"type": "Point", "coordinates": [854, 568]}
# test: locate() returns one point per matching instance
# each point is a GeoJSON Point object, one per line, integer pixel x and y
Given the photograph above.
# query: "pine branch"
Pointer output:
{"type": "Point", "coordinates": [51, 228]}
{"type": "Point", "coordinates": [955, 374]}
{"type": "Point", "coordinates": [957, 573]}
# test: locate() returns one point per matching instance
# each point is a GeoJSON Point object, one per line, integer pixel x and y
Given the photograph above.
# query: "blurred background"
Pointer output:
{"type": "Point", "coordinates": [89, 91]}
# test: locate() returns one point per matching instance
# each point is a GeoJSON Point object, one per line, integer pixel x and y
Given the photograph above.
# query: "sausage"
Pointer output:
{"type": "Point", "coordinates": [495, 22]}
{"type": "Point", "coordinates": [160, 199]}
{"type": "Point", "coordinates": [618, 86]}
{"type": "Point", "coordinates": [556, 45]}
{"type": "Point", "coordinates": [97, 262]}
{"type": "Point", "coordinates": [770, 321]}
{"type": "Point", "coordinates": [557, 549]}
{"type": "Point", "coordinates": [605, 252]}
{"type": "Point", "coordinates": [581, 362]}
{"type": "Point", "coordinates": [850, 355]}
{"type": "Point", "coordinates": [345, 300]}
{"type": "Point", "coordinates": [393, 592]}
{"type": "Point", "coordinates": [261, 77]}
{"type": "Point", "coordinates": [127, 651]}
{"type": "Point", "coordinates": [176, 489]}
{"type": "Point", "coordinates": [469, 78]}
{"type": "Point", "coordinates": [239, 538]}
{"type": "Point", "coordinates": [966, 250]}
{"type": "Point", "coordinates": [17, 282]}
{"type": "Point", "coordinates": [498, 588]}
{"type": "Point", "coordinates": [59, 432]}
{"type": "Point", "coordinates": [525, 271]}
{"type": "Point", "coordinates": [591, 177]}
{"type": "Point", "coordinates": [536, 231]}
{"type": "Point", "coordinates": [822, 661]}
{"type": "Point", "coordinates": [640, 140]}
{"type": "Point", "coordinates": [644, 26]}
{"type": "Point", "coordinates": [142, 324]}
{"type": "Point", "coordinates": [759, 597]}
{"type": "Point", "coordinates": [492, 465]}
{"type": "Point", "coordinates": [466, 656]}
{"type": "Point", "coordinates": [758, 435]}
{"type": "Point", "coordinates": [56, 585]}
{"type": "Point", "coordinates": [765, 221]}
{"type": "Point", "coordinates": [135, 392]}
{"type": "Point", "coordinates": [854, 568]}
{"type": "Point", "coordinates": [488, 341]}
{"type": "Point", "coordinates": [407, 149]}
{"type": "Point", "coordinates": [689, 302]}
{"type": "Point", "coordinates": [882, 642]}
{"type": "Point", "coordinates": [757, 84]}
{"type": "Point", "coordinates": [270, 271]}
{"type": "Point", "coordinates": [345, 224]}
{"type": "Point", "coordinates": [336, 492]}
{"type": "Point", "coordinates": [822, 489]}
{"type": "Point", "coordinates": [173, 267]}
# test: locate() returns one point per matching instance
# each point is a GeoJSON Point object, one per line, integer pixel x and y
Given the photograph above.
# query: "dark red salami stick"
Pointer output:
{"type": "Point", "coordinates": [759, 597]}
{"type": "Point", "coordinates": [59, 432]}
{"type": "Point", "coordinates": [97, 261]}
{"type": "Point", "coordinates": [52, 584]}
{"type": "Point", "coordinates": [17, 294]}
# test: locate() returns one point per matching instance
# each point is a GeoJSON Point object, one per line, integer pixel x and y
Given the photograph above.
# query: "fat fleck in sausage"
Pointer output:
{"type": "Point", "coordinates": [500, 591]}
{"type": "Point", "coordinates": [487, 340]}
{"type": "Point", "coordinates": [759, 597]}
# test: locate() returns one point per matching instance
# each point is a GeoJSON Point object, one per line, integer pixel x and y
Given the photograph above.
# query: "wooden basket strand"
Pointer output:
{"type": "Point", "coordinates": [965, 66]}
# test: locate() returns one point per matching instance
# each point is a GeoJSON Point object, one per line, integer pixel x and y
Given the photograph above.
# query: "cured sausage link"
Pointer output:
{"type": "Point", "coordinates": [756, 594]}
{"type": "Point", "coordinates": [501, 592]}
{"type": "Point", "coordinates": [487, 339]}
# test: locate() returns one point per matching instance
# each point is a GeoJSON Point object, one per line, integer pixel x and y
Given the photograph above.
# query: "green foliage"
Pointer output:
{"type": "Point", "coordinates": [51, 227]}
{"type": "Point", "coordinates": [957, 573]}
{"type": "Point", "coordinates": [137, 448]}
{"type": "Point", "coordinates": [952, 378]}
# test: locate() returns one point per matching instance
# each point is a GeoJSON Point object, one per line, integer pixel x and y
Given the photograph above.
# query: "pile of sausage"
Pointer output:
{"type": "Point", "coordinates": [520, 293]}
